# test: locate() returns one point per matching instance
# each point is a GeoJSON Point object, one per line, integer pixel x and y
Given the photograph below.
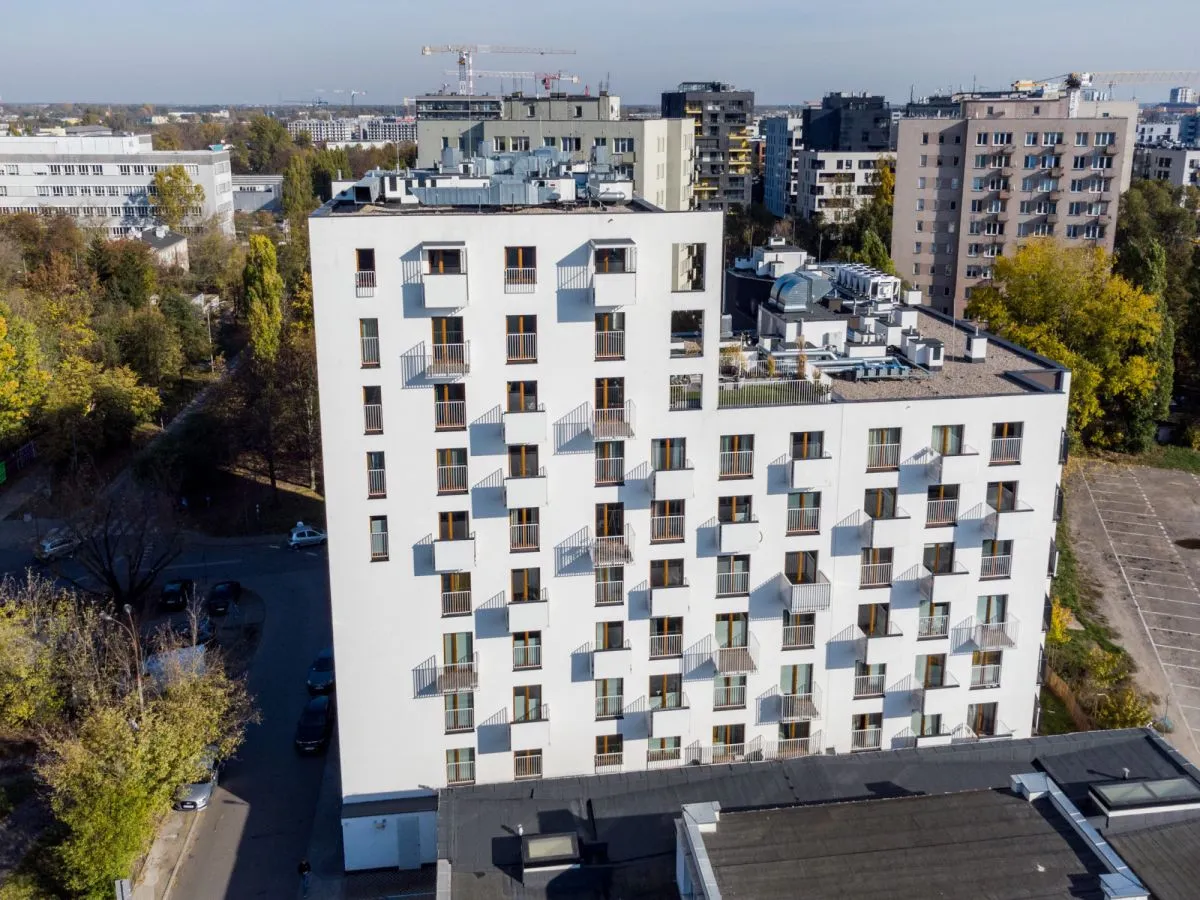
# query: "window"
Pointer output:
{"type": "Point", "coordinates": [876, 567]}
{"type": "Point", "coordinates": [623, 145]}
{"type": "Point", "coordinates": [734, 509]}
{"type": "Point", "coordinates": [450, 407]}
{"type": "Point", "coordinates": [454, 525]}
{"type": "Point", "coordinates": [1031, 139]}
{"type": "Point", "coordinates": [610, 462]}
{"type": "Point", "coordinates": [1081, 139]}
{"type": "Point", "coordinates": [522, 338]}
{"type": "Point", "coordinates": [1051, 138]}
{"type": "Point", "coordinates": [733, 575]}
{"type": "Point", "coordinates": [880, 503]}
{"type": "Point", "coordinates": [523, 461]}
{"type": "Point", "coordinates": [460, 712]}
{"type": "Point", "coordinates": [736, 456]}
{"type": "Point", "coordinates": [610, 335]}
{"type": "Point", "coordinates": [368, 330]}
{"type": "Point", "coordinates": [376, 474]}
{"type": "Point", "coordinates": [373, 409]}
{"type": "Point", "coordinates": [456, 593]}
{"type": "Point", "coordinates": [947, 439]}
{"type": "Point", "coordinates": [612, 260]}
{"type": "Point", "coordinates": [524, 529]}
{"type": "Point", "coordinates": [981, 139]}
{"type": "Point", "coordinates": [610, 585]}
{"type": "Point", "coordinates": [688, 261]}
{"type": "Point", "coordinates": [939, 558]}
{"type": "Point", "coordinates": [1002, 495]}
{"type": "Point", "coordinates": [520, 268]}
{"type": "Point", "coordinates": [379, 538]}
{"type": "Point", "coordinates": [666, 521]}
{"type": "Point", "coordinates": [527, 764]}
{"type": "Point", "coordinates": [1106, 138]}
{"type": "Point", "coordinates": [610, 695]}
{"type": "Point", "coordinates": [687, 333]}
{"type": "Point", "coordinates": [883, 448]}
{"type": "Point", "coordinates": [527, 703]}
{"type": "Point", "coordinates": [1006, 442]}
{"type": "Point", "coordinates": [668, 453]}
{"type": "Point", "coordinates": [808, 444]}
{"type": "Point", "coordinates": [572, 144]}
{"type": "Point", "coordinates": [526, 585]}
{"type": "Point", "coordinates": [460, 766]}
{"type": "Point", "coordinates": [522, 396]}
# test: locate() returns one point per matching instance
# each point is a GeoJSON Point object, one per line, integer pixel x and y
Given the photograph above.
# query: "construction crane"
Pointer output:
{"type": "Point", "coordinates": [466, 58]}
{"type": "Point", "coordinates": [551, 80]}
{"type": "Point", "coordinates": [1073, 81]}
{"type": "Point", "coordinates": [480, 74]}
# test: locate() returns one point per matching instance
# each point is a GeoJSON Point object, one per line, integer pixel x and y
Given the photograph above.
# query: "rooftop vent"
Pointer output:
{"type": "Point", "coordinates": [976, 347]}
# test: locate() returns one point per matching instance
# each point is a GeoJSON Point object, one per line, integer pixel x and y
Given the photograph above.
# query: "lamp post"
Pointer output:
{"type": "Point", "coordinates": [137, 649]}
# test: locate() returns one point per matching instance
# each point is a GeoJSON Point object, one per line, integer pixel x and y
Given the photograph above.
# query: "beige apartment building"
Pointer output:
{"type": "Point", "coordinates": [977, 176]}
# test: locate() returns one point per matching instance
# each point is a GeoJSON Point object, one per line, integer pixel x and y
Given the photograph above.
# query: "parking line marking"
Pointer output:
{"type": "Point", "coordinates": [211, 562]}
{"type": "Point", "coordinates": [1151, 612]}
{"type": "Point", "coordinates": [1169, 600]}
{"type": "Point", "coordinates": [1174, 631]}
{"type": "Point", "coordinates": [1155, 558]}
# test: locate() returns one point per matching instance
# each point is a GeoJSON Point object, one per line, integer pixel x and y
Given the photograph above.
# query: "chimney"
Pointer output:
{"type": "Point", "coordinates": [976, 347]}
{"type": "Point", "coordinates": [160, 231]}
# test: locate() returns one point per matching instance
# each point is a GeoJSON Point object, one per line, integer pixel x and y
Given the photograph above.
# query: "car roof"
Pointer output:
{"type": "Point", "coordinates": [319, 703]}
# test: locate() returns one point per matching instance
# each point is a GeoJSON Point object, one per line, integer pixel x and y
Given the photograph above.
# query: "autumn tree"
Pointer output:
{"type": "Point", "coordinates": [150, 345]}
{"type": "Point", "coordinates": [175, 195]}
{"type": "Point", "coordinates": [125, 270]}
{"type": "Point", "coordinates": [264, 314]}
{"type": "Point", "coordinates": [22, 378]}
{"type": "Point", "coordinates": [298, 198]}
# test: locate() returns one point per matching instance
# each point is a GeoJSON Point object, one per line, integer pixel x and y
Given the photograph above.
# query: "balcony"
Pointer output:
{"type": "Point", "coordinates": [941, 512]}
{"type": "Point", "coordinates": [613, 549]}
{"type": "Point", "coordinates": [615, 288]}
{"type": "Point", "coordinates": [674, 484]}
{"type": "Point", "coordinates": [666, 646]}
{"type": "Point", "coordinates": [458, 720]}
{"type": "Point", "coordinates": [610, 593]}
{"type": "Point", "coordinates": [364, 284]}
{"type": "Point", "coordinates": [447, 290]}
{"type": "Point", "coordinates": [793, 748]}
{"type": "Point", "coordinates": [610, 345]}
{"type": "Point", "coordinates": [688, 395]}
{"type": "Point", "coordinates": [868, 686]}
{"type": "Point", "coordinates": [526, 426]}
{"type": "Point", "coordinates": [666, 529]}
{"type": "Point", "coordinates": [610, 470]}
{"type": "Point", "coordinates": [721, 754]}
{"type": "Point", "coordinates": [1005, 451]}
{"type": "Point", "coordinates": [798, 637]}
{"type": "Point", "coordinates": [456, 603]}
{"type": "Point", "coordinates": [747, 390]}
{"type": "Point", "coordinates": [806, 596]}
{"type": "Point", "coordinates": [985, 677]}
{"type": "Point", "coordinates": [922, 695]}
{"type": "Point", "coordinates": [996, 635]}
{"type": "Point", "coordinates": [369, 350]}
{"type": "Point", "coordinates": [528, 766]}
{"type": "Point", "coordinates": [800, 707]}
{"type": "Point", "coordinates": [873, 575]}
{"type": "Point", "coordinates": [670, 714]}
{"type": "Point", "coordinates": [532, 730]}
{"type": "Point", "coordinates": [609, 706]}
{"type": "Point", "coordinates": [526, 491]}
{"type": "Point", "coordinates": [522, 348]}
{"type": "Point", "coordinates": [529, 615]}
{"type": "Point", "coordinates": [890, 531]}
{"type": "Point", "coordinates": [460, 676]}
{"type": "Point", "coordinates": [457, 555]}
{"type": "Point", "coordinates": [812, 472]}
{"type": "Point", "coordinates": [609, 763]}
{"type": "Point", "coordinates": [866, 739]}
{"type": "Point", "coordinates": [883, 457]}
{"type": "Point", "coordinates": [379, 546]}
{"type": "Point", "coordinates": [372, 418]}
{"type": "Point", "coordinates": [740, 537]}
{"type": "Point", "coordinates": [733, 584]}
{"type": "Point", "coordinates": [376, 483]}
{"type": "Point", "coordinates": [736, 464]}
{"type": "Point", "coordinates": [663, 759]}
{"type": "Point", "coordinates": [737, 660]}
{"type": "Point", "coordinates": [612, 662]}
{"type": "Point", "coordinates": [460, 772]}
{"type": "Point", "coordinates": [670, 600]}
{"type": "Point", "coordinates": [525, 537]}
{"type": "Point", "coordinates": [452, 479]}
{"type": "Point", "coordinates": [613, 422]}
{"type": "Point", "coordinates": [450, 415]}
{"type": "Point", "coordinates": [527, 656]}
{"type": "Point", "coordinates": [999, 566]}
{"type": "Point", "coordinates": [933, 627]}
{"type": "Point", "coordinates": [448, 361]}
{"type": "Point", "coordinates": [1008, 523]}
{"type": "Point", "coordinates": [804, 521]}
{"type": "Point", "coordinates": [729, 696]}
{"type": "Point", "coordinates": [520, 281]}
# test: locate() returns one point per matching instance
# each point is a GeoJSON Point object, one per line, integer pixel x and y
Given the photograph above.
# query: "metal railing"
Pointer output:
{"type": "Point", "coordinates": [800, 707]}
{"type": "Point", "coordinates": [1006, 450]}
{"type": "Point", "coordinates": [882, 629]}
{"type": "Point", "coordinates": [738, 659]}
{"type": "Point", "coordinates": [452, 479]}
{"type": "Point", "coordinates": [609, 761]}
{"type": "Point", "coordinates": [663, 646]}
{"type": "Point", "coordinates": [529, 766]}
{"type": "Point", "coordinates": [790, 748]}
{"type": "Point", "coordinates": [448, 360]}
{"type": "Point", "coordinates": [883, 456]}
{"type": "Point", "coordinates": [523, 537]}
{"type": "Point", "coordinates": [519, 280]}
{"type": "Point", "coordinates": [875, 574]}
{"type": "Point", "coordinates": [531, 712]}
{"type": "Point", "coordinates": [527, 656]}
{"type": "Point", "coordinates": [739, 393]}
{"type": "Point", "coordinates": [370, 352]}
{"type": "Point", "coordinates": [456, 603]}
{"type": "Point", "coordinates": [460, 719]}
{"type": "Point", "coordinates": [379, 545]}
{"type": "Point", "coordinates": [613, 549]}
{"type": "Point", "coordinates": [667, 756]}
{"type": "Point", "coordinates": [610, 470]}
{"type": "Point", "coordinates": [522, 347]}
{"type": "Point", "coordinates": [613, 422]}
{"type": "Point", "coordinates": [798, 637]}
{"type": "Point", "coordinates": [376, 483]}
{"type": "Point", "coordinates": [736, 463]}
{"type": "Point", "coordinates": [373, 418]}
{"type": "Point", "coordinates": [722, 753]}
{"type": "Point", "coordinates": [610, 345]}
{"type": "Point", "coordinates": [609, 706]}
{"type": "Point", "coordinates": [732, 584]}
{"type": "Point", "coordinates": [460, 772]}
{"type": "Point", "coordinates": [995, 566]}
{"type": "Point", "coordinates": [729, 696]}
{"type": "Point", "coordinates": [996, 635]}
{"type": "Point", "coordinates": [364, 284]}
{"type": "Point", "coordinates": [449, 415]}
{"type": "Point", "coordinates": [941, 512]}
{"type": "Point", "coordinates": [459, 676]}
{"type": "Point", "coordinates": [868, 685]}
{"type": "Point", "coordinates": [686, 396]}
{"type": "Point", "coordinates": [933, 627]}
{"type": "Point", "coordinates": [807, 596]}
{"type": "Point", "coordinates": [985, 676]}
{"type": "Point", "coordinates": [666, 528]}
{"type": "Point", "coordinates": [610, 593]}
{"type": "Point", "coordinates": [866, 739]}
{"type": "Point", "coordinates": [806, 520]}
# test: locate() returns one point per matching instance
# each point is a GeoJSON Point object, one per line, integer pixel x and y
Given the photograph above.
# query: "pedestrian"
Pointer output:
{"type": "Point", "coordinates": [305, 871]}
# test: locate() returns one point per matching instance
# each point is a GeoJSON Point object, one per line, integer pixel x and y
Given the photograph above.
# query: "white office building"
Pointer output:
{"type": "Point", "coordinates": [107, 181]}
{"type": "Point", "coordinates": [576, 526]}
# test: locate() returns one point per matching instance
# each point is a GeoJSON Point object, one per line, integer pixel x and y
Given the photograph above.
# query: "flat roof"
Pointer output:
{"type": "Point", "coordinates": [989, 843]}
{"type": "Point", "coordinates": [356, 210]}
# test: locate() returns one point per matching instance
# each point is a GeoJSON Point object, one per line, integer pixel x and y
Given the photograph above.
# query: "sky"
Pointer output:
{"type": "Point", "coordinates": [271, 51]}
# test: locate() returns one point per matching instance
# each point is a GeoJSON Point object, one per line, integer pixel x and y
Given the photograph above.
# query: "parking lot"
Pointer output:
{"type": "Point", "coordinates": [1136, 533]}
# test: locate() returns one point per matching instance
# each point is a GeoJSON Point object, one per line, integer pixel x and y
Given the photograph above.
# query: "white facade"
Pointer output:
{"type": "Point", "coordinates": [348, 131]}
{"type": "Point", "coordinates": [106, 181]}
{"type": "Point", "coordinates": [784, 136]}
{"type": "Point", "coordinates": [833, 183]}
{"type": "Point", "coordinates": [440, 678]}
{"type": "Point", "coordinates": [1178, 165]}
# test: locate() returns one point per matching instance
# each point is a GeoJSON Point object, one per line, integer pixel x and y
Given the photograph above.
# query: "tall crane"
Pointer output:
{"type": "Point", "coordinates": [551, 80]}
{"type": "Point", "coordinates": [480, 74]}
{"type": "Point", "coordinates": [466, 58]}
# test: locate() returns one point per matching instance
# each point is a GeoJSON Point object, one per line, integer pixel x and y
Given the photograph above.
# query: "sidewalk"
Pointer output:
{"type": "Point", "coordinates": [168, 849]}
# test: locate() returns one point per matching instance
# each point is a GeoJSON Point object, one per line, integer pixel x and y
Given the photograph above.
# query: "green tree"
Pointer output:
{"type": "Point", "coordinates": [189, 324]}
{"type": "Point", "coordinates": [175, 195]}
{"type": "Point", "coordinates": [125, 271]}
{"type": "Point", "coordinates": [1125, 708]}
{"type": "Point", "coordinates": [269, 144]}
{"type": "Point", "coordinates": [150, 346]}
{"type": "Point", "coordinates": [874, 253]}
{"type": "Point", "coordinates": [22, 378]}
{"type": "Point", "coordinates": [264, 299]}
{"type": "Point", "coordinates": [298, 199]}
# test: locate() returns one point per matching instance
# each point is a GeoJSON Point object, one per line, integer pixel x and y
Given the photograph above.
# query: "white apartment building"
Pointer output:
{"type": "Point", "coordinates": [833, 183]}
{"type": "Point", "coordinates": [107, 181]}
{"type": "Point", "coordinates": [1178, 165]}
{"type": "Point", "coordinates": [573, 528]}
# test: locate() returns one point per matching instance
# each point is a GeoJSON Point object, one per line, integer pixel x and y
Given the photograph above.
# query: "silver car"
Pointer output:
{"type": "Point", "coordinates": [305, 536]}
{"type": "Point", "coordinates": [196, 796]}
{"type": "Point", "coordinates": [56, 545]}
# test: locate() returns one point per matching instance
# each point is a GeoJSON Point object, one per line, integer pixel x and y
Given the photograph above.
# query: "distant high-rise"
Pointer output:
{"type": "Point", "coordinates": [1183, 95]}
{"type": "Point", "coordinates": [721, 114]}
{"type": "Point", "coordinates": [849, 123]}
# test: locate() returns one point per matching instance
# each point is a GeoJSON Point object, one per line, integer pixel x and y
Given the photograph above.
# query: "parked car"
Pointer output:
{"type": "Point", "coordinates": [223, 595]}
{"type": "Point", "coordinates": [198, 794]}
{"type": "Point", "coordinates": [305, 536]}
{"type": "Point", "coordinates": [177, 595]}
{"type": "Point", "coordinates": [320, 673]}
{"type": "Point", "coordinates": [315, 725]}
{"type": "Point", "coordinates": [58, 544]}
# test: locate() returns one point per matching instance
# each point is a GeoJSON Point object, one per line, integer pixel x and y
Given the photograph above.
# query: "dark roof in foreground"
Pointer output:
{"type": "Point", "coordinates": [1165, 857]}
{"type": "Point", "coordinates": [626, 821]}
{"type": "Point", "coordinates": [990, 844]}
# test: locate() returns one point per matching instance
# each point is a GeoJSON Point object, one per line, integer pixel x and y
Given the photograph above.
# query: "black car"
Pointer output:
{"type": "Point", "coordinates": [177, 595]}
{"type": "Point", "coordinates": [224, 594]}
{"type": "Point", "coordinates": [320, 673]}
{"type": "Point", "coordinates": [315, 725]}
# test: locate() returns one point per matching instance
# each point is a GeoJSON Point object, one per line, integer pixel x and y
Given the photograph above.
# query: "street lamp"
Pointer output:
{"type": "Point", "coordinates": [137, 649]}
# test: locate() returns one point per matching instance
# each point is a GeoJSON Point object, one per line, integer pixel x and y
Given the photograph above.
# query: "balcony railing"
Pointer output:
{"type": "Point", "coordinates": [985, 676]}
{"type": "Point", "coordinates": [883, 456]}
{"type": "Point", "coordinates": [868, 685]}
{"type": "Point", "coordinates": [376, 483]}
{"type": "Point", "coordinates": [736, 463]}
{"type": "Point", "coordinates": [996, 635]}
{"type": "Point", "coordinates": [523, 537]}
{"type": "Point", "coordinates": [933, 627]}
{"type": "Point", "coordinates": [1006, 450]}
{"type": "Point", "coordinates": [875, 574]}
{"type": "Point", "coordinates": [610, 345]}
{"type": "Point", "coordinates": [806, 596]}
{"type": "Point", "coordinates": [370, 352]}
{"type": "Point", "coordinates": [995, 566]}
{"type": "Point", "coordinates": [613, 422]}
{"type": "Point", "coordinates": [527, 656]}
{"type": "Point", "coordinates": [456, 603]}
{"type": "Point", "coordinates": [364, 284]}
{"type": "Point", "coordinates": [664, 646]}
{"type": "Point", "coordinates": [609, 706]}
{"type": "Point", "coordinates": [460, 720]}
{"type": "Point", "coordinates": [666, 528]}
{"type": "Point", "coordinates": [522, 347]}
{"type": "Point", "coordinates": [459, 676]}
{"type": "Point", "coordinates": [379, 545]}
{"type": "Point", "coordinates": [798, 637]}
{"type": "Point", "coordinates": [866, 739]}
{"type": "Point", "coordinates": [460, 772]}
{"type": "Point", "coordinates": [527, 766]}
{"type": "Point", "coordinates": [610, 593]}
{"type": "Point", "coordinates": [450, 415]}
{"type": "Point", "coordinates": [740, 393]}
{"type": "Point", "coordinates": [733, 584]}
{"type": "Point", "coordinates": [658, 759]}
{"type": "Point", "coordinates": [613, 549]}
{"type": "Point", "coordinates": [685, 396]}
{"type": "Point", "coordinates": [718, 754]}
{"type": "Point", "coordinates": [941, 512]}
{"type": "Point", "coordinates": [520, 281]}
{"type": "Point", "coordinates": [729, 696]}
{"type": "Point", "coordinates": [800, 707]}
{"type": "Point", "coordinates": [737, 660]}
{"type": "Point", "coordinates": [610, 470]}
{"type": "Point", "coordinates": [448, 361]}
{"type": "Point", "coordinates": [804, 521]}
{"type": "Point", "coordinates": [790, 748]}
{"type": "Point", "coordinates": [373, 418]}
{"type": "Point", "coordinates": [607, 762]}
{"type": "Point", "coordinates": [452, 479]}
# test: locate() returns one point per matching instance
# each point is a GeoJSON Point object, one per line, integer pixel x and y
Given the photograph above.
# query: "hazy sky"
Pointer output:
{"type": "Point", "coordinates": [264, 51]}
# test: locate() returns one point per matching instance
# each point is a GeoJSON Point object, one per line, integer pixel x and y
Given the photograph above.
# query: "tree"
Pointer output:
{"type": "Point", "coordinates": [298, 199]}
{"type": "Point", "coordinates": [22, 378]}
{"type": "Point", "coordinates": [1125, 708]}
{"type": "Point", "coordinates": [269, 144]}
{"type": "Point", "coordinates": [125, 270]}
{"type": "Point", "coordinates": [175, 195]}
{"type": "Point", "coordinates": [150, 345]}
{"type": "Point", "coordinates": [1066, 303]}
{"type": "Point", "coordinates": [874, 253]}
{"type": "Point", "coordinates": [264, 299]}
{"type": "Point", "coordinates": [188, 322]}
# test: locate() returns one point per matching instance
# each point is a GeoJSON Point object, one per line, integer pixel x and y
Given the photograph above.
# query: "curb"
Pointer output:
{"type": "Point", "coordinates": [187, 840]}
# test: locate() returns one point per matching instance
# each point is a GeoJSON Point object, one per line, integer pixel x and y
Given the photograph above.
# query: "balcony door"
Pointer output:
{"type": "Point", "coordinates": [610, 519]}
{"type": "Point", "coordinates": [801, 566]}
{"type": "Point", "coordinates": [667, 454]}
{"type": "Point", "coordinates": [458, 648]}
{"type": "Point", "coordinates": [610, 393]}
{"type": "Point", "coordinates": [447, 330]}
{"type": "Point", "coordinates": [992, 609]}
{"type": "Point", "coordinates": [948, 439]}
{"type": "Point", "coordinates": [666, 691]}
{"type": "Point", "coordinates": [795, 680]}
{"type": "Point", "coordinates": [731, 630]}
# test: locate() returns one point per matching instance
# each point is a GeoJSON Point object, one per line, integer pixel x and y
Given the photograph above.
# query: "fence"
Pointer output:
{"type": "Point", "coordinates": [1063, 692]}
